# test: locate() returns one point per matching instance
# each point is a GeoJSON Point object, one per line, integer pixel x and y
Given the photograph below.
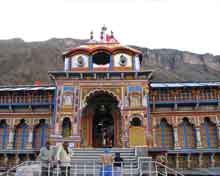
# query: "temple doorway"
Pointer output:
{"type": "Point", "coordinates": [103, 128]}
{"type": "Point", "coordinates": [101, 121]}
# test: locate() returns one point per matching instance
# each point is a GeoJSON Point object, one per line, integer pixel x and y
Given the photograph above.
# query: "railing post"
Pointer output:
{"type": "Point", "coordinates": [103, 170]}
{"type": "Point", "coordinates": [58, 166]}
{"type": "Point", "coordinates": [122, 169]}
{"type": "Point", "coordinates": [40, 171]}
{"type": "Point", "coordinates": [48, 170]}
{"type": "Point", "coordinates": [84, 169]}
{"type": "Point", "coordinates": [165, 171]}
{"type": "Point", "coordinates": [113, 170]}
{"type": "Point", "coordinates": [156, 168]}
{"type": "Point", "coordinates": [66, 171]}
{"type": "Point", "coordinates": [75, 170]}
{"type": "Point", "coordinates": [94, 167]}
{"type": "Point", "coordinates": [150, 168]}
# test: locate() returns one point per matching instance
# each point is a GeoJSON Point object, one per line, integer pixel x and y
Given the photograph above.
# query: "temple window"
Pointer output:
{"type": "Point", "coordinates": [66, 127]}
{"type": "Point", "coordinates": [135, 100]}
{"type": "Point", "coordinates": [186, 134]}
{"type": "Point", "coordinates": [209, 134]}
{"type": "Point", "coordinates": [101, 60]}
{"type": "Point", "coordinates": [21, 135]}
{"type": "Point", "coordinates": [164, 133]}
{"type": "Point", "coordinates": [136, 121]}
{"type": "Point", "coordinates": [40, 134]}
{"type": "Point", "coordinates": [3, 134]}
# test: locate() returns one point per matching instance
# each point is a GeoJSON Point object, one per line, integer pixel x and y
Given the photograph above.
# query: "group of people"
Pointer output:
{"type": "Point", "coordinates": [48, 159]}
{"type": "Point", "coordinates": [62, 157]}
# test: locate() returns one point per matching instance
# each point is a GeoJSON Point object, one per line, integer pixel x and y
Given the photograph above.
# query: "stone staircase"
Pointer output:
{"type": "Point", "coordinates": [88, 160]}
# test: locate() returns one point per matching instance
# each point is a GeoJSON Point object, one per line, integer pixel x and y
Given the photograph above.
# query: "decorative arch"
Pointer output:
{"type": "Point", "coordinates": [90, 50]}
{"type": "Point", "coordinates": [21, 135]}
{"type": "Point", "coordinates": [209, 133]}
{"type": "Point", "coordinates": [165, 137]}
{"type": "Point", "coordinates": [97, 102]}
{"type": "Point", "coordinates": [210, 118]}
{"type": "Point", "coordinates": [136, 120]}
{"type": "Point", "coordinates": [158, 120]}
{"type": "Point", "coordinates": [186, 134]}
{"type": "Point", "coordinates": [104, 91]}
{"type": "Point", "coordinates": [66, 127]}
{"type": "Point", "coordinates": [40, 134]}
{"type": "Point", "coordinates": [3, 134]}
{"type": "Point", "coordinates": [190, 119]}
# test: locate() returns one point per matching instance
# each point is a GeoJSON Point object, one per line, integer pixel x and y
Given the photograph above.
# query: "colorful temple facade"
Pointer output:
{"type": "Point", "coordinates": [104, 91]}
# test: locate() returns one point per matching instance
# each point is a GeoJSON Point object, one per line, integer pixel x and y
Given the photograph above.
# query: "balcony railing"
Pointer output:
{"type": "Point", "coordinates": [6, 100]}
{"type": "Point", "coordinates": [184, 99]}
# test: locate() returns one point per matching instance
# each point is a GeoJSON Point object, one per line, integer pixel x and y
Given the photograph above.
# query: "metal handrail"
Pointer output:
{"type": "Point", "coordinates": [13, 168]}
{"type": "Point", "coordinates": [156, 163]}
{"type": "Point", "coordinates": [96, 166]}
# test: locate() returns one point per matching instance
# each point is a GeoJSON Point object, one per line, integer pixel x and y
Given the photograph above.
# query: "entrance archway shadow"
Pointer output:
{"type": "Point", "coordinates": [101, 121]}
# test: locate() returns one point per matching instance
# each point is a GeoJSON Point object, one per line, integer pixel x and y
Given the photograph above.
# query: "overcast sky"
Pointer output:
{"type": "Point", "coordinates": [192, 25]}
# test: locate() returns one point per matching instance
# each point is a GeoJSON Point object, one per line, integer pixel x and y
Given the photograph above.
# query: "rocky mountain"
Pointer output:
{"type": "Point", "coordinates": [24, 62]}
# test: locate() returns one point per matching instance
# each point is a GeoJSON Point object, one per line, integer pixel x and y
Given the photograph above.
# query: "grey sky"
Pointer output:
{"type": "Point", "coordinates": [192, 25]}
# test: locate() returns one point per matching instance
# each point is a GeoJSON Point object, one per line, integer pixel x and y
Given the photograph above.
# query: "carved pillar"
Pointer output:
{"type": "Point", "coordinates": [177, 161]}
{"type": "Point", "coordinates": [5, 159]}
{"type": "Point", "coordinates": [17, 159]}
{"type": "Point", "coordinates": [125, 127]}
{"type": "Point", "coordinates": [154, 137]}
{"type": "Point", "coordinates": [189, 160]}
{"type": "Point", "coordinates": [11, 138]}
{"type": "Point", "coordinates": [213, 160]}
{"type": "Point", "coordinates": [198, 138]}
{"type": "Point", "coordinates": [176, 142]}
{"type": "Point", "coordinates": [218, 129]}
{"type": "Point", "coordinates": [30, 137]}
{"type": "Point", "coordinates": [200, 160]}
{"type": "Point", "coordinates": [57, 129]}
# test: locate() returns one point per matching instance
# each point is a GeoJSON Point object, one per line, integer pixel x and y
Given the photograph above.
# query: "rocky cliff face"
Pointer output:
{"type": "Point", "coordinates": [24, 62]}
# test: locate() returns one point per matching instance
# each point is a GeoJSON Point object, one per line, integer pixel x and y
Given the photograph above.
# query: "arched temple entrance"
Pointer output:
{"type": "Point", "coordinates": [101, 121]}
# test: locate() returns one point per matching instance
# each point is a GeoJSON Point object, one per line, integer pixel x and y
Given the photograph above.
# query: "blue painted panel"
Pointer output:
{"type": "Point", "coordinates": [24, 137]}
{"type": "Point", "coordinates": [163, 133]}
{"type": "Point", "coordinates": [111, 62]}
{"type": "Point", "coordinates": [134, 89]}
{"type": "Point", "coordinates": [207, 134]}
{"type": "Point", "coordinates": [185, 134]}
{"type": "Point", "coordinates": [90, 63]}
{"type": "Point", "coordinates": [5, 136]}
{"type": "Point", "coordinates": [68, 88]}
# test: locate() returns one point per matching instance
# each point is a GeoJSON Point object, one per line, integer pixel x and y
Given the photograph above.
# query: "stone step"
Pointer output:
{"type": "Point", "coordinates": [102, 149]}
{"type": "Point", "coordinates": [92, 172]}
{"type": "Point", "coordinates": [97, 157]}
{"type": "Point", "coordinates": [98, 154]}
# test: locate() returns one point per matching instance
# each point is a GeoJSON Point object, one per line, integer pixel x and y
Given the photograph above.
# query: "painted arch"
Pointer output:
{"type": "Point", "coordinates": [40, 134]}
{"type": "Point", "coordinates": [4, 132]}
{"type": "Point", "coordinates": [21, 135]}
{"type": "Point", "coordinates": [209, 134]}
{"type": "Point", "coordinates": [186, 134]}
{"type": "Point", "coordinates": [165, 136]}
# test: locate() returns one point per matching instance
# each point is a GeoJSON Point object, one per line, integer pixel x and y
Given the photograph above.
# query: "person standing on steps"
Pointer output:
{"type": "Point", "coordinates": [63, 158]}
{"type": "Point", "coordinates": [107, 160]}
{"type": "Point", "coordinates": [45, 157]}
{"type": "Point", "coordinates": [118, 164]}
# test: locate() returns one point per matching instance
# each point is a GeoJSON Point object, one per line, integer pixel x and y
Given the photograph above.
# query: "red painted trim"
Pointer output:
{"type": "Point", "coordinates": [87, 50]}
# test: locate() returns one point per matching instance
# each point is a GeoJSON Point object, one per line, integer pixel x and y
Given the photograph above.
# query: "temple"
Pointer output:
{"type": "Point", "coordinates": [103, 97]}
